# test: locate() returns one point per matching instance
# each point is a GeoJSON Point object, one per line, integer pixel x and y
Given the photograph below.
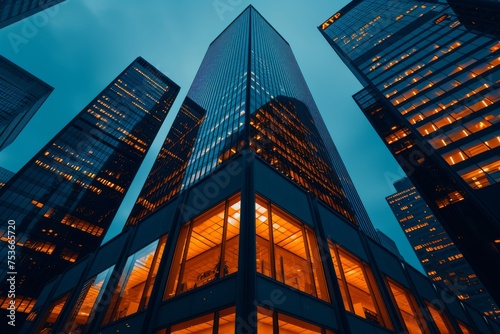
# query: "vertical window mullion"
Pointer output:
{"type": "Point", "coordinates": [183, 262]}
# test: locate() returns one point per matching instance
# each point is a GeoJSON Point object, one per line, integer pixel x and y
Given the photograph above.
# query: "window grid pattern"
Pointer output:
{"type": "Point", "coordinates": [445, 82]}
{"type": "Point", "coordinates": [66, 197]}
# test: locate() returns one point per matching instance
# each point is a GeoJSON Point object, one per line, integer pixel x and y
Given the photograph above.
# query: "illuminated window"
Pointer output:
{"type": "Point", "coordinates": [50, 318]}
{"type": "Point", "coordinates": [440, 319]}
{"type": "Point", "coordinates": [207, 249]}
{"type": "Point", "coordinates": [464, 328]}
{"type": "Point", "coordinates": [407, 306]}
{"type": "Point", "coordinates": [205, 324]}
{"type": "Point", "coordinates": [454, 157]}
{"type": "Point", "coordinates": [201, 325]}
{"type": "Point", "coordinates": [88, 299]}
{"type": "Point", "coordinates": [358, 288]}
{"type": "Point", "coordinates": [136, 282]}
{"type": "Point", "coordinates": [296, 261]}
{"type": "Point", "coordinates": [492, 168]}
{"type": "Point", "coordinates": [475, 177]}
{"type": "Point", "coordinates": [285, 324]}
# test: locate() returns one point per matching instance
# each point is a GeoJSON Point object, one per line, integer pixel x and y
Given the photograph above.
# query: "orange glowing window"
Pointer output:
{"type": "Point", "coordinates": [440, 319]}
{"type": "Point", "coordinates": [202, 325]}
{"type": "Point", "coordinates": [454, 157]}
{"type": "Point", "coordinates": [358, 288]}
{"type": "Point", "coordinates": [88, 299]}
{"type": "Point", "coordinates": [286, 324]}
{"type": "Point", "coordinates": [49, 319]}
{"type": "Point", "coordinates": [475, 177]}
{"type": "Point", "coordinates": [464, 328]}
{"type": "Point", "coordinates": [207, 248]}
{"type": "Point", "coordinates": [136, 282]}
{"type": "Point", "coordinates": [408, 309]}
{"type": "Point", "coordinates": [296, 260]}
{"type": "Point", "coordinates": [440, 141]}
{"type": "Point", "coordinates": [492, 168]}
{"type": "Point", "coordinates": [475, 148]}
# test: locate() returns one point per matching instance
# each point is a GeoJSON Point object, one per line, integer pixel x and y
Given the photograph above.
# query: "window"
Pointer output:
{"type": "Point", "coordinates": [90, 297]}
{"type": "Point", "coordinates": [464, 328]}
{"type": "Point", "coordinates": [266, 324]}
{"type": "Point", "coordinates": [358, 288]}
{"type": "Point", "coordinates": [136, 282]}
{"type": "Point", "coordinates": [50, 318]}
{"type": "Point", "coordinates": [440, 319]}
{"type": "Point", "coordinates": [205, 324]}
{"type": "Point", "coordinates": [207, 249]}
{"type": "Point", "coordinates": [407, 306]}
{"type": "Point", "coordinates": [287, 251]}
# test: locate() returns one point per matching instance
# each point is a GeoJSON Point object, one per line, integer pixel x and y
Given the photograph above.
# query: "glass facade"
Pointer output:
{"type": "Point", "coordinates": [359, 291]}
{"type": "Point", "coordinates": [442, 260]}
{"type": "Point", "coordinates": [247, 90]}
{"type": "Point", "coordinates": [207, 249]}
{"type": "Point", "coordinates": [287, 250]}
{"type": "Point", "coordinates": [134, 288]}
{"type": "Point", "coordinates": [21, 95]}
{"type": "Point", "coordinates": [431, 92]}
{"type": "Point", "coordinates": [12, 11]}
{"type": "Point", "coordinates": [64, 199]}
{"type": "Point", "coordinates": [89, 298]}
{"type": "Point", "coordinates": [167, 174]}
{"type": "Point", "coordinates": [254, 256]}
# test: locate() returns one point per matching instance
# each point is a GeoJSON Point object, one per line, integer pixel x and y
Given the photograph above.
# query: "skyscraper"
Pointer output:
{"type": "Point", "coordinates": [21, 95]}
{"type": "Point", "coordinates": [431, 92]}
{"type": "Point", "coordinates": [251, 242]}
{"type": "Point", "coordinates": [63, 200]}
{"type": "Point", "coordinates": [439, 256]}
{"type": "Point", "coordinates": [12, 11]}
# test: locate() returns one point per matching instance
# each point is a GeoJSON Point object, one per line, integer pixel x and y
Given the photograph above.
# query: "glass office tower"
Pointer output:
{"type": "Point", "coordinates": [21, 95]}
{"type": "Point", "coordinates": [245, 92]}
{"type": "Point", "coordinates": [250, 245]}
{"type": "Point", "coordinates": [431, 92]}
{"type": "Point", "coordinates": [64, 199]}
{"type": "Point", "coordinates": [12, 11]}
{"type": "Point", "coordinates": [439, 256]}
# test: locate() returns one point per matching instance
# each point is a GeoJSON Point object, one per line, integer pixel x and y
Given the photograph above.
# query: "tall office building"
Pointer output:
{"type": "Point", "coordinates": [431, 92]}
{"type": "Point", "coordinates": [388, 243]}
{"type": "Point", "coordinates": [21, 95]}
{"type": "Point", "coordinates": [441, 259]}
{"type": "Point", "coordinates": [251, 242]}
{"type": "Point", "coordinates": [63, 200]}
{"type": "Point", "coordinates": [5, 175]}
{"type": "Point", "coordinates": [12, 11]}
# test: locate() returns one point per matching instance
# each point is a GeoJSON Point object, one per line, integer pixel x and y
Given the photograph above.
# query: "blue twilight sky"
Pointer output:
{"type": "Point", "coordinates": [79, 46]}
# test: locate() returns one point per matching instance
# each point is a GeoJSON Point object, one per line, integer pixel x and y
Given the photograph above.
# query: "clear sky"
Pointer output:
{"type": "Point", "coordinates": [79, 46]}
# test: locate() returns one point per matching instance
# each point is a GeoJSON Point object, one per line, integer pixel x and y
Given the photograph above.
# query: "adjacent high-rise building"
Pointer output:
{"type": "Point", "coordinates": [12, 11]}
{"type": "Point", "coordinates": [5, 175]}
{"type": "Point", "coordinates": [258, 236]}
{"type": "Point", "coordinates": [61, 203]}
{"type": "Point", "coordinates": [388, 242]}
{"type": "Point", "coordinates": [21, 95]}
{"type": "Point", "coordinates": [432, 94]}
{"type": "Point", "coordinates": [441, 259]}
